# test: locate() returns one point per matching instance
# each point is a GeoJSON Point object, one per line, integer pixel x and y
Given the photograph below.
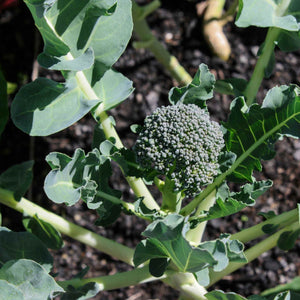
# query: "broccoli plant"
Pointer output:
{"type": "Point", "coordinates": [191, 159]}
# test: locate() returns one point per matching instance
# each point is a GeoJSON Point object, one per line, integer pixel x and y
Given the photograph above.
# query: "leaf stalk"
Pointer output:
{"type": "Point", "coordinates": [76, 232]}
{"type": "Point", "coordinates": [253, 252]}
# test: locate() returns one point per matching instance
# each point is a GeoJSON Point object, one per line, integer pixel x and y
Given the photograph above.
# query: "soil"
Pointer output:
{"type": "Point", "coordinates": [178, 27]}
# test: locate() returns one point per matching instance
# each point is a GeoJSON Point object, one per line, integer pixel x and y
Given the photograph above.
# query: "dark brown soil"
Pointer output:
{"type": "Point", "coordinates": [179, 29]}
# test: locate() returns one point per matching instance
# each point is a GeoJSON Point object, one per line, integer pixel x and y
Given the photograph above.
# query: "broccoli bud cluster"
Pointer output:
{"type": "Point", "coordinates": [181, 142]}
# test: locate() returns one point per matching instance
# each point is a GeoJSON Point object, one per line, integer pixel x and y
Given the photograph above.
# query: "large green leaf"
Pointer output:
{"type": "Point", "coordinates": [44, 106]}
{"type": "Point", "coordinates": [165, 240]}
{"type": "Point", "coordinates": [9, 291]}
{"type": "Point", "coordinates": [17, 245]}
{"type": "Point", "coordinates": [252, 132]}
{"type": "Point", "coordinates": [17, 179]}
{"type": "Point", "coordinates": [82, 176]}
{"type": "Point", "coordinates": [30, 279]}
{"type": "Point", "coordinates": [3, 103]}
{"type": "Point", "coordinates": [74, 26]}
{"type": "Point", "coordinates": [83, 39]}
{"type": "Point", "coordinates": [267, 13]}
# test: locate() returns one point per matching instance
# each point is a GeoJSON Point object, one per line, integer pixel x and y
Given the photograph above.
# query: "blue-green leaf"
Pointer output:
{"type": "Point", "coordinates": [266, 13]}
{"type": "Point", "coordinates": [44, 231]}
{"type": "Point", "coordinates": [252, 132]}
{"type": "Point", "coordinates": [84, 36]}
{"type": "Point", "coordinates": [293, 285]}
{"type": "Point", "coordinates": [287, 239]}
{"type": "Point", "coordinates": [113, 88]}
{"type": "Point", "coordinates": [44, 107]}
{"type": "Point", "coordinates": [17, 245]}
{"type": "Point", "coordinates": [165, 240]}
{"type": "Point", "coordinates": [30, 278]}
{"type": "Point", "coordinates": [83, 62]}
{"type": "Point", "coordinates": [9, 291]}
{"type": "Point", "coordinates": [197, 92]}
{"type": "Point", "coordinates": [224, 251]}
{"type": "Point", "coordinates": [82, 176]}
{"type": "Point", "coordinates": [229, 203]}
{"type": "Point", "coordinates": [17, 179]}
{"type": "Point", "coordinates": [219, 295]}
{"type": "Point", "coordinates": [288, 40]}
{"type": "Point", "coordinates": [87, 291]}
{"type": "Point", "coordinates": [108, 213]}
{"type": "Point", "coordinates": [74, 26]}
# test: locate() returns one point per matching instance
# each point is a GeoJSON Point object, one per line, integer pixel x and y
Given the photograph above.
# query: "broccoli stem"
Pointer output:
{"type": "Point", "coordinates": [171, 200]}
{"type": "Point", "coordinates": [195, 235]}
{"type": "Point", "coordinates": [261, 65]}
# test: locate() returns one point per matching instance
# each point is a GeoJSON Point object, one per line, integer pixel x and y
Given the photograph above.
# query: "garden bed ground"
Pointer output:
{"type": "Point", "coordinates": [177, 25]}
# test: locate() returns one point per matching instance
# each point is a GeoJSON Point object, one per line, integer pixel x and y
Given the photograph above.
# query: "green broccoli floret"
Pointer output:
{"type": "Point", "coordinates": [182, 143]}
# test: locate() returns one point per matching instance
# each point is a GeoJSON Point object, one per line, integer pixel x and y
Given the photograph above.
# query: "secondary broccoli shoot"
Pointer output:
{"type": "Point", "coordinates": [182, 143]}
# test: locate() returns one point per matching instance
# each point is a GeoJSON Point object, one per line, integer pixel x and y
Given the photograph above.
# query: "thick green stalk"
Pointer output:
{"type": "Point", "coordinates": [261, 65]}
{"type": "Point", "coordinates": [171, 201]}
{"type": "Point", "coordinates": [187, 285]}
{"type": "Point", "coordinates": [76, 232]}
{"type": "Point", "coordinates": [115, 281]}
{"type": "Point", "coordinates": [149, 41]}
{"type": "Point", "coordinates": [195, 235]}
{"type": "Point", "coordinates": [256, 231]}
{"type": "Point", "coordinates": [253, 253]}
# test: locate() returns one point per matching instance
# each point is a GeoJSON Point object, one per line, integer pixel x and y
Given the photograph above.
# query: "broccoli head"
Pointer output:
{"type": "Point", "coordinates": [182, 143]}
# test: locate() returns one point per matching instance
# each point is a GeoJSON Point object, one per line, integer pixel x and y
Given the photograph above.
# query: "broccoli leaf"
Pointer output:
{"type": "Point", "coordinates": [108, 213]}
{"type": "Point", "coordinates": [82, 176]}
{"type": "Point", "coordinates": [229, 203]}
{"type": "Point", "coordinates": [197, 92]}
{"type": "Point", "coordinates": [125, 158]}
{"type": "Point", "coordinates": [220, 295]}
{"type": "Point", "coordinates": [44, 231]}
{"type": "Point", "coordinates": [223, 251]}
{"type": "Point", "coordinates": [84, 61]}
{"type": "Point", "coordinates": [44, 106]}
{"type": "Point", "coordinates": [87, 291]}
{"type": "Point", "coordinates": [10, 291]}
{"type": "Point", "coordinates": [17, 179]}
{"type": "Point", "coordinates": [287, 239]}
{"type": "Point", "coordinates": [28, 280]}
{"type": "Point", "coordinates": [252, 132]}
{"type": "Point", "coordinates": [293, 285]}
{"type": "Point", "coordinates": [267, 13]}
{"type": "Point", "coordinates": [16, 245]}
{"type": "Point", "coordinates": [83, 39]}
{"type": "Point", "coordinates": [165, 240]}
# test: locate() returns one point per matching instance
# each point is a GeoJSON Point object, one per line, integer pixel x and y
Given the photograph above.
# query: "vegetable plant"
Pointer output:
{"type": "Point", "coordinates": [191, 159]}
